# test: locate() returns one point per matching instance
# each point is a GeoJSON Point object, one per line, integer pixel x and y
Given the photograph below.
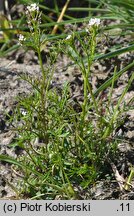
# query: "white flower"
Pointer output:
{"type": "Point", "coordinates": [68, 37]}
{"type": "Point", "coordinates": [94, 22]}
{"type": "Point", "coordinates": [24, 113]}
{"type": "Point", "coordinates": [33, 7]}
{"type": "Point", "coordinates": [21, 38]}
{"type": "Point", "coordinates": [87, 30]}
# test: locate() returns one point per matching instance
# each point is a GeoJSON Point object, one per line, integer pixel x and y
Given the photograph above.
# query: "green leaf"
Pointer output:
{"type": "Point", "coordinates": [115, 53]}
{"type": "Point", "coordinates": [15, 162]}
{"type": "Point", "coordinates": [109, 81]}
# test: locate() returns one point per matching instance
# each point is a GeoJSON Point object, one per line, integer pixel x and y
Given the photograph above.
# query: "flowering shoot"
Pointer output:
{"type": "Point", "coordinates": [94, 22]}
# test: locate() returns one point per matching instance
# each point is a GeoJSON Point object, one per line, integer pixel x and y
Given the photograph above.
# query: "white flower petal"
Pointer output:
{"type": "Point", "coordinates": [21, 37]}
{"type": "Point", "coordinates": [94, 22]}
{"type": "Point", "coordinates": [68, 37]}
{"type": "Point", "coordinates": [33, 7]}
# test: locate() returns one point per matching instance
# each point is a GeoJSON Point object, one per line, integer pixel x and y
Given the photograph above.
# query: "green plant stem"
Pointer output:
{"type": "Point", "coordinates": [88, 72]}
{"type": "Point", "coordinates": [43, 94]}
{"type": "Point", "coordinates": [93, 98]}
{"type": "Point", "coordinates": [130, 178]}
{"type": "Point", "coordinates": [112, 87]}
{"type": "Point", "coordinates": [85, 99]}
{"type": "Point", "coordinates": [41, 64]}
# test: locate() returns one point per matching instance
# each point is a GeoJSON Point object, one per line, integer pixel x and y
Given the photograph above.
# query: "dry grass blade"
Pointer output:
{"type": "Point", "coordinates": [120, 180]}
{"type": "Point", "coordinates": [61, 16]}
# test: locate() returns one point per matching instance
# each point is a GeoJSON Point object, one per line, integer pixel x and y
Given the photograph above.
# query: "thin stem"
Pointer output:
{"type": "Point", "coordinates": [43, 93]}
{"type": "Point", "coordinates": [93, 98]}
{"type": "Point", "coordinates": [41, 64]}
{"type": "Point", "coordinates": [87, 84]}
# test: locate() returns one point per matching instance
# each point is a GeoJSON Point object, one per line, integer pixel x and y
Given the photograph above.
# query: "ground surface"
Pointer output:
{"type": "Point", "coordinates": [11, 86]}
